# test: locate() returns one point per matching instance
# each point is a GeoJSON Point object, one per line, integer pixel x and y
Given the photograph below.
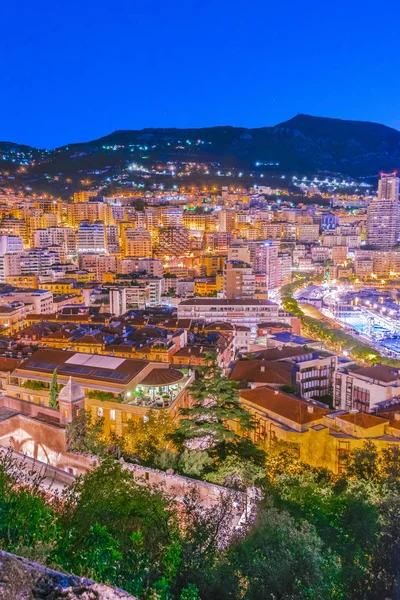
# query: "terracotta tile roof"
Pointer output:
{"type": "Point", "coordinates": [380, 372]}
{"type": "Point", "coordinates": [262, 371]}
{"type": "Point", "coordinates": [395, 423]}
{"type": "Point", "coordinates": [219, 326]}
{"type": "Point", "coordinates": [162, 377]}
{"type": "Point", "coordinates": [9, 364]}
{"type": "Point", "coordinates": [177, 323]}
{"type": "Point", "coordinates": [61, 334]}
{"type": "Point", "coordinates": [281, 353]}
{"type": "Point", "coordinates": [187, 351]}
{"type": "Point", "coordinates": [88, 338]}
{"type": "Point", "coordinates": [362, 419]}
{"type": "Point", "coordinates": [284, 405]}
{"type": "Point", "coordinates": [266, 324]}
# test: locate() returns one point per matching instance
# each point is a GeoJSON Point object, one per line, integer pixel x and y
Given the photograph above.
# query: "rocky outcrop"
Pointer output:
{"type": "Point", "coordinates": [21, 579]}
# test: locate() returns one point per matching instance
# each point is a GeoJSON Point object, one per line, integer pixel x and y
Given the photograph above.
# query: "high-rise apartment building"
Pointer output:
{"type": "Point", "coordinates": [138, 243]}
{"type": "Point", "coordinates": [239, 280]}
{"type": "Point", "coordinates": [226, 221]}
{"type": "Point", "coordinates": [37, 261]}
{"type": "Point", "coordinates": [91, 237]}
{"type": "Point", "coordinates": [10, 244]}
{"type": "Point", "coordinates": [174, 240]}
{"type": "Point", "coordinates": [99, 264]}
{"type": "Point", "coordinates": [118, 301]}
{"type": "Point", "coordinates": [383, 220]}
{"type": "Point", "coordinates": [112, 238]}
{"type": "Point", "coordinates": [64, 237]}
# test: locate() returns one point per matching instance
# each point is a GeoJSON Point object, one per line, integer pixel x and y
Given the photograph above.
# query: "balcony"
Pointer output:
{"type": "Point", "coordinates": [160, 389]}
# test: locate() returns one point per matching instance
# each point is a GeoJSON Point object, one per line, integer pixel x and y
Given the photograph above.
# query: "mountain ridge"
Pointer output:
{"type": "Point", "coordinates": [290, 122]}
{"type": "Point", "coordinates": [303, 145]}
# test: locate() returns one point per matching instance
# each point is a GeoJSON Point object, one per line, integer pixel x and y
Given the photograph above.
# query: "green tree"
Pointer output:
{"type": "Point", "coordinates": [281, 559]}
{"type": "Point", "coordinates": [134, 528]}
{"type": "Point", "coordinates": [236, 473]}
{"type": "Point", "coordinates": [53, 402]}
{"type": "Point", "coordinates": [363, 463]}
{"type": "Point", "coordinates": [85, 434]}
{"type": "Point", "coordinates": [27, 521]}
{"type": "Point", "coordinates": [343, 516]}
{"type": "Point", "coordinates": [190, 593]}
{"type": "Point", "coordinates": [194, 462]}
{"type": "Point", "coordinates": [215, 412]}
{"type": "Point", "coordinates": [384, 581]}
{"type": "Point", "coordinates": [146, 438]}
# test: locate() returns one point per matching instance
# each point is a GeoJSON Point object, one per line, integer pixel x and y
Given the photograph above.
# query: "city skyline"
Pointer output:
{"type": "Point", "coordinates": [199, 300]}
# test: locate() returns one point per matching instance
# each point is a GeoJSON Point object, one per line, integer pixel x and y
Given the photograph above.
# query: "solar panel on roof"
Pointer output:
{"type": "Point", "coordinates": [41, 365]}
{"type": "Point", "coordinates": [108, 374]}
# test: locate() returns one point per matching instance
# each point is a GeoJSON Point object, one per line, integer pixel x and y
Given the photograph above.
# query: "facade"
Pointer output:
{"type": "Point", "coordinates": [317, 435]}
{"type": "Point", "coordinates": [118, 303]}
{"type": "Point", "coordinates": [247, 312]}
{"type": "Point", "coordinates": [239, 280]}
{"type": "Point", "coordinates": [91, 237]}
{"type": "Point", "coordinates": [366, 389]}
{"type": "Point", "coordinates": [138, 243]}
{"type": "Point", "coordinates": [174, 240]}
{"type": "Point", "coordinates": [383, 222]}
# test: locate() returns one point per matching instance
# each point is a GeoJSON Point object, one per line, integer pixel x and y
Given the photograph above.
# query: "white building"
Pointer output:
{"type": "Point", "coordinates": [367, 388]}
{"type": "Point", "coordinates": [10, 244]}
{"type": "Point", "coordinates": [247, 312]}
{"type": "Point", "coordinates": [383, 220]}
{"type": "Point", "coordinates": [92, 237]}
{"type": "Point", "coordinates": [40, 300]}
{"type": "Point", "coordinates": [118, 301]}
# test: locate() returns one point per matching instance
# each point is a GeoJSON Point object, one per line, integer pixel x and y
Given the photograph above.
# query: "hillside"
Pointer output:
{"type": "Point", "coordinates": [304, 145]}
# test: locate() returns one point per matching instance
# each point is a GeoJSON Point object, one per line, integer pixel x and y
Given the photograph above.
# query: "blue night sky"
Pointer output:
{"type": "Point", "coordinates": [75, 70]}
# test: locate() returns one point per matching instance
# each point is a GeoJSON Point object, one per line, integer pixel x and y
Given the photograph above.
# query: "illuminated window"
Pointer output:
{"type": "Point", "coordinates": [112, 415]}
{"type": "Point", "coordinates": [99, 412]}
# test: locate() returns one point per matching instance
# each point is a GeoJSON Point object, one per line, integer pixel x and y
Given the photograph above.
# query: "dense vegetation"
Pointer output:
{"type": "Point", "coordinates": [315, 535]}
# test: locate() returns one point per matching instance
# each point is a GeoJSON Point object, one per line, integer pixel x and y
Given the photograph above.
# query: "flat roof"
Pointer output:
{"type": "Point", "coordinates": [226, 302]}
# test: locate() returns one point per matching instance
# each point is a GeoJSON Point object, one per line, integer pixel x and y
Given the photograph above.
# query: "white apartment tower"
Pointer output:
{"type": "Point", "coordinates": [92, 237]}
{"type": "Point", "coordinates": [383, 221]}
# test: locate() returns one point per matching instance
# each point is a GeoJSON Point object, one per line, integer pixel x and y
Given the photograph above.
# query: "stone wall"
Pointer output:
{"type": "Point", "coordinates": [24, 580]}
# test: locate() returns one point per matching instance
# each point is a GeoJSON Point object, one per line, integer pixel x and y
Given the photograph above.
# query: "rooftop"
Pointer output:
{"type": "Point", "coordinates": [225, 302]}
{"type": "Point", "coordinates": [83, 366]}
{"type": "Point", "coordinates": [362, 419]}
{"type": "Point", "coordinates": [284, 405]}
{"type": "Point", "coordinates": [162, 377]}
{"type": "Point", "coordinates": [286, 337]}
{"type": "Point", "coordinates": [262, 371]}
{"type": "Point", "coordinates": [282, 353]}
{"type": "Point", "coordinates": [378, 372]}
